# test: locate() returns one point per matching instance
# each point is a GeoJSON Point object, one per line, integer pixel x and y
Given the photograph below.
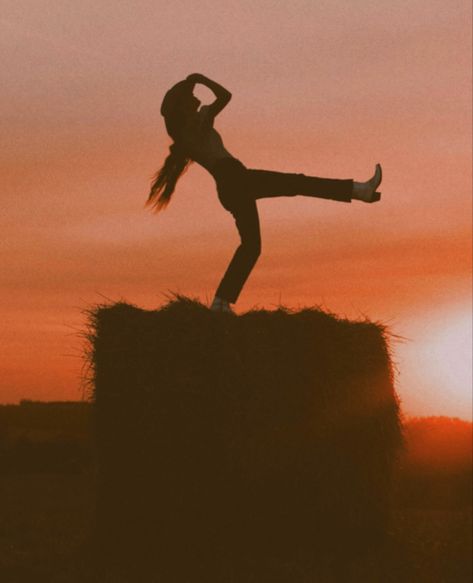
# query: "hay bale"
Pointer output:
{"type": "Point", "coordinates": [261, 433]}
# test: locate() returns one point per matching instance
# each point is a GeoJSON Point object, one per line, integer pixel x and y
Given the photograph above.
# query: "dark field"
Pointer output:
{"type": "Point", "coordinates": [44, 521]}
{"type": "Point", "coordinates": [47, 508]}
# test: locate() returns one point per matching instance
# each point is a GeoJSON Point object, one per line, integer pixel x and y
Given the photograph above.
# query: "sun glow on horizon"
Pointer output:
{"type": "Point", "coordinates": [438, 374]}
{"type": "Point", "coordinates": [450, 348]}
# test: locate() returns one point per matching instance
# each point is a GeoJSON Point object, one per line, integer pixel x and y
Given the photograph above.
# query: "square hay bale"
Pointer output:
{"type": "Point", "coordinates": [217, 434]}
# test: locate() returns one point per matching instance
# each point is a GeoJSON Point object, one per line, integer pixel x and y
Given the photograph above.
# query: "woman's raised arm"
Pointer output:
{"type": "Point", "coordinates": [222, 95]}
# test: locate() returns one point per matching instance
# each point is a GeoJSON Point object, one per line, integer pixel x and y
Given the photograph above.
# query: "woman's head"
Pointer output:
{"type": "Point", "coordinates": [179, 102]}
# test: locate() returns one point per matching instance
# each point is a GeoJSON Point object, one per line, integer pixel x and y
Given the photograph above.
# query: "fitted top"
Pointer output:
{"type": "Point", "coordinates": [202, 142]}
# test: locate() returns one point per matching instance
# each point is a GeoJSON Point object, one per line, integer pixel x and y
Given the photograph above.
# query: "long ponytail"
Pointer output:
{"type": "Point", "coordinates": [177, 161]}
{"type": "Point", "coordinates": [164, 181]}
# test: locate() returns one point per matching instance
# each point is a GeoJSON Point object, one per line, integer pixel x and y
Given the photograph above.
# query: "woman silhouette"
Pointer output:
{"type": "Point", "coordinates": [238, 187]}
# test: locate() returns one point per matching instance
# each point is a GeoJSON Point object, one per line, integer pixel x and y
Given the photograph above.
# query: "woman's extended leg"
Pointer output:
{"type": "Point", "coordinates": [268, 183]}
{"type": "Point", "coordinates": [246, 255]}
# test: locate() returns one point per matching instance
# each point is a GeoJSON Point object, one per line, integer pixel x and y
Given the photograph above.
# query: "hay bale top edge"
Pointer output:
{"type": "Point", "coordinates": [183, 306]}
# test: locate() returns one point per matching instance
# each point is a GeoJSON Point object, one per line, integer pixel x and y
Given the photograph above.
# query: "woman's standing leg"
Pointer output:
{"type": "Point", "coordinates": [246, 217]}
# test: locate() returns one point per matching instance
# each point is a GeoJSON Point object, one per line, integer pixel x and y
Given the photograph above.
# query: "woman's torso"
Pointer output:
{"type": "Point", "coordinates": [202, 142]}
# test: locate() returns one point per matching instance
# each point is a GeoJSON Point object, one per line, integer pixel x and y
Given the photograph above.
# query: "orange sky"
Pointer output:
{"type": "Point", "coordinates": [324, 88]}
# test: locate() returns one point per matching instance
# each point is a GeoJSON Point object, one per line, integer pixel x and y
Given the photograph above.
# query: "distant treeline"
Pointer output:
{"type": "Point", "coordinates": [57, 437]}
{"type": "Point", "coordinates": [46, 437]}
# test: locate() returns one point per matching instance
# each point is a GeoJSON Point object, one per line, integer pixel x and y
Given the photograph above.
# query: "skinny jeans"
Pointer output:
{"type": "Point", "coordinates": [239, 188]}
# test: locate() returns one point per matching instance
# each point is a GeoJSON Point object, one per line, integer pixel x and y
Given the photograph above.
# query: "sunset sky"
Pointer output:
{"type": "Point", "coordinates": [324, 87]}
